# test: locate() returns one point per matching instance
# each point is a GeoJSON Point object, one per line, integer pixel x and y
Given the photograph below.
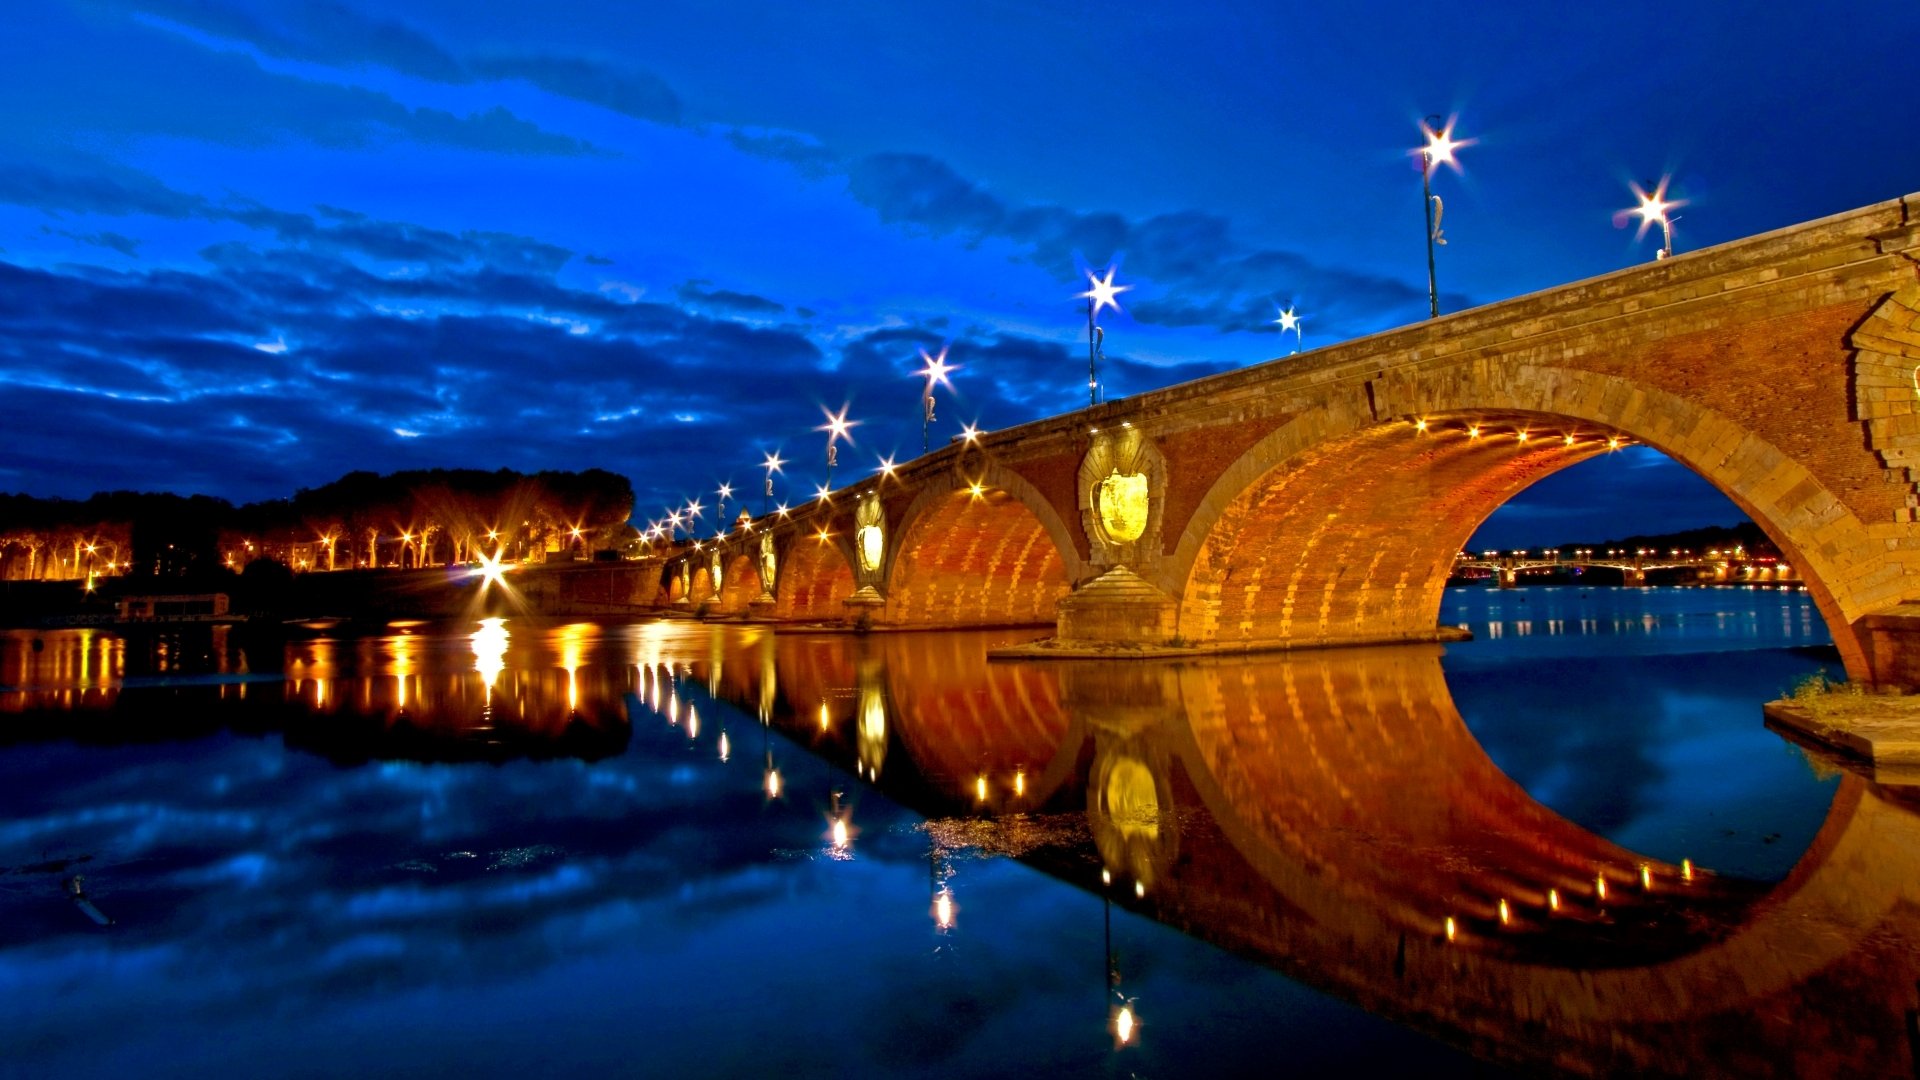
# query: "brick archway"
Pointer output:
{"type": "Point", "coordinates": [1342, 525]}
{"type": "Point", "coordinates": [979, 550]}
{"type": "Point", "coordinates": [814, 580]}
{"type": "Point", "coordinates": [739, 584]}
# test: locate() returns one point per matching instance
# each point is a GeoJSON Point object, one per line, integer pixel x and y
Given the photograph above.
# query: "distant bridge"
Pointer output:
{"type": "Point", "coordinates": [1715, 566]}
{"type": "Point", "coordinates": [1322, 499]}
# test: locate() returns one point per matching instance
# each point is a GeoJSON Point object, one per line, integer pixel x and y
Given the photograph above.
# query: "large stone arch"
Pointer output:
{"type": "Point", "coordinates": [980, 548]}
{"type": "Point", "coordinates": [815, 578]}
{"type": "Point", "coordinates": [739, 583]}
{"type": "Point", "coordinates": [1341, 525]}
{"type": "Point", "coordinates": [702, 588]}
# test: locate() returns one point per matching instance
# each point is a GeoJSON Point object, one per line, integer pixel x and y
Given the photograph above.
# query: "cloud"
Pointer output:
{"type": "Point", "coordinates": [697, 294]}
{"type": "Point", "coordinates": [336, 35]}
{"type": "Point", "coordinates": [1205, 275]}
{"type": "Point", "coordinates": [630, 91]}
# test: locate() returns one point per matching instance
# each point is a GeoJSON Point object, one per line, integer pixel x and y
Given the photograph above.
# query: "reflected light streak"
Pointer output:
{"type": "Point", "coordinates": [490, 650]}
{"type": "Point", "coordinates": [943, 909]}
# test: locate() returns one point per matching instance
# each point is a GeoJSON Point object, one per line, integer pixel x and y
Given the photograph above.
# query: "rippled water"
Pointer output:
{"type": "Point", "coordinates": [674, 849]}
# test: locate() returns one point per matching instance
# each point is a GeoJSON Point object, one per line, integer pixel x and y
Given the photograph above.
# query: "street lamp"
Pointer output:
{"type": "Point", "coordinates": [1653, 208]}
{"type": "Point", "coordinates": [1439, 151]}
{"type": "Point", "coordinates": [935, 372]}
{"type": "Point", "coordinates": [837, 427]}
{"type": "Point", "coordinates": [725, 491]}
{"type": "Point", "coordinates": [1290, 320]}
{"type": "Point", "coordinates": [1100, 294]}
{"type": "Point", "coordinates": [772, 464]}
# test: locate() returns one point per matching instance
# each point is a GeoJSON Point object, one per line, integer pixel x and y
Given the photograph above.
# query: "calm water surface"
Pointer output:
{"type": "Point", "coordinates": [672, 849]}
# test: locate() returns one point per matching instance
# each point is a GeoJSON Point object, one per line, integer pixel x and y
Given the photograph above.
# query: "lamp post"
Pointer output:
{"type": "Point", "coordinates": [1438, 151]}
{"type": "Point", "coordinates": [772, 464]}
{"type": "Point", "coordinates": [1290, 320]}
{"type": "Point", "coordinates": [725, 491]}
{"type": "Point", "coordinates": [837, 427]}
{"type": "Point", "coordinates": [935, 373]}
{"type": "Point", "coordinates": [1653, 208]}
{"type": "Point", "coordinates": [1100, 294]}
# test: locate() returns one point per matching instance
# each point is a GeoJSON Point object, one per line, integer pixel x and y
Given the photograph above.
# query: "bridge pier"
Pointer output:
{"type": "Point", "coordinates": [1118, 607]}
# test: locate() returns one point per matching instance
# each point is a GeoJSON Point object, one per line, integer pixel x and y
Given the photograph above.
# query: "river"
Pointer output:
{"type": "Point", "coordinates": [666, 848]}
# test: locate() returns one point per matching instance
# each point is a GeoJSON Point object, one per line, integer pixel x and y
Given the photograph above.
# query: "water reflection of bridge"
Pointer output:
{"type": "Point", "coordinates": [1331, 815]}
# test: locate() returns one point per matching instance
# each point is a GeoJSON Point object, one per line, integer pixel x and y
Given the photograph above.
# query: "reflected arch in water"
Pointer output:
{"type": "Point", "coordinates": [1342, 525]}
{"type": "Point", "coordinates": [1350, 784]}
{"type": "Point", "coordinates": [980, 547]}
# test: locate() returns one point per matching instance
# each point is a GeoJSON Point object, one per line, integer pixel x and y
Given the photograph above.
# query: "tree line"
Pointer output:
{"type": "Point", "coordinates": [420, 517]}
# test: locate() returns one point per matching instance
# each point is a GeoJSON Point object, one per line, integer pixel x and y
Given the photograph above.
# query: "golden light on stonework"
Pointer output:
{"type": "Point", "coordinates": [1600, 886]}
{"type": "Point", "coordinates": [1553, 899]}
{"type": "Point", "coordinates": [1451, 930]}
{"type": "Point", "coordinates": [1420, 425]}
{"type": "Point", "coordinates": [1686, 869]}
{"type": "Point", "coordinates": [975, 489]}
{"type": "Point", "coordinates": [1473, 431]}
{"type": "Point", "coordinates": [1123, 503]}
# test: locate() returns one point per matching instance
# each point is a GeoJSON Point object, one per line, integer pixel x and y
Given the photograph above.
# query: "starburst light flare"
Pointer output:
{"type": "Point", "coordinates": [1102, 292]}
{"type": "Point", "coordinates": [1655, 208]}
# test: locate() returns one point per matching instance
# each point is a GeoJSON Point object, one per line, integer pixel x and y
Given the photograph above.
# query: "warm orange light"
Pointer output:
{"type": "Point", "coordinates": [1506, 914]}
{"type": "Point", "coordinates": [1600, 886]}
{"type": "Point", "coordinates": [1123, 1025]}
{"type": "Point", "coordinates": [1473, 431]}
{"type": "Point", "coordinates": [1686, 869]}
{"type": "Point", "coordinates": [980, 789]}
{"type": "Point", "coordinates": [971, 433]}
{"type": "Point", "coordinates": [1553, 899]}
{"type": "Point", "coordinates": [1646, 876]}
{"type": "Point", "coordinates": [1450, 928]}
{"type": "Point", "coordinates": [840, 833]}
{"type": "Point", "coordinates": [1420, 425]}
{"type": "Point", "coordinates": [773, 783]}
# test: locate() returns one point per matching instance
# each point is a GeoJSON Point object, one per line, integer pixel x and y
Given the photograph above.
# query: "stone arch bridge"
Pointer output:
{"type": "Point", "coordinates": [1322, 499]}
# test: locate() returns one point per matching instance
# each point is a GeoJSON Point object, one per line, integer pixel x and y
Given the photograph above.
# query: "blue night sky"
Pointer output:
{"type": "Point", "coordinates": [247, 246]}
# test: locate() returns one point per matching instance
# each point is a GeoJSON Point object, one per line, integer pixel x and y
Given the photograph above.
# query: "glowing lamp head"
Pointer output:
{"type": "Point", "coordinates": [970, 433]}
{"type": "Point", "coordinates": [774, 461]}
{"type": "Point", "coordinates": [838, 426]}
{"type": "Point", "coordinates": [1441, 145]}
{"type": "Point", "coordinates": [1123, 1024]}
{"type": "Point", "coordinates": [937, 370]}
{"type": "Point", "coordinates": [1101, 292]}
{"type": "Point", "coordinates": [886, 466]}
{"type": "Point", "coordinates": [726, 491]}
{"type": "Point", "coordinates": [1288, 320]}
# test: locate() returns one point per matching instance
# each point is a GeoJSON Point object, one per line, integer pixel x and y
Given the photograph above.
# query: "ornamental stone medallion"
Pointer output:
{"type": "Point", "coordinates": [768, 566]}
{"type": "Point", "coordinates": [1121, 483]}
{"type": "Point", "coordinates": [870, 551]}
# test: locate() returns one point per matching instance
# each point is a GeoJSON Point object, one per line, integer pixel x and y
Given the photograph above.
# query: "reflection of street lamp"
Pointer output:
{"type": "Point", "coordinates": [1100, 294]}
{"type": "Point", "coordinates": [1438, 151]}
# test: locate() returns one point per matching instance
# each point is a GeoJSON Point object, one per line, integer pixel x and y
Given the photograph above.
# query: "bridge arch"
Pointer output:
{"type": "Point", "coordinates": [815, 578]}
{"type": "Point", "coordinates": [739, 583]}
{"type": "Point", "coordinates": [701, 590]}
{"type": "Point", "coordinates": [979, 549]}
{"type": "Point", "coordinates": [1342, 525]}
